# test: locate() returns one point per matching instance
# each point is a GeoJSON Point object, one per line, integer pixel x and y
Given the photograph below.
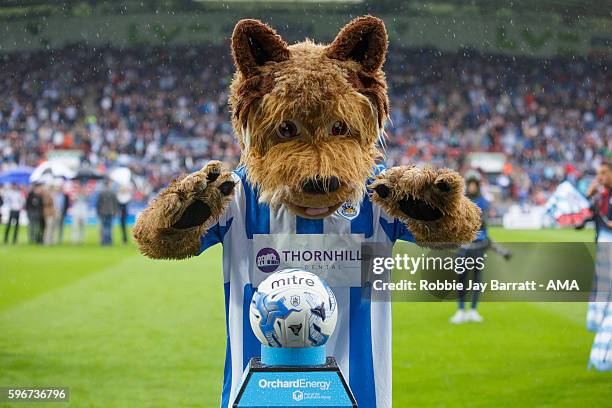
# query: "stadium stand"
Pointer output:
{"type": "Point", "coordinates": [163, 111]}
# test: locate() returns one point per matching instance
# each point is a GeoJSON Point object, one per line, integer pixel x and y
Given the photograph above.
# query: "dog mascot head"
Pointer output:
{"type": "Point", "coordinates": [308, 116]}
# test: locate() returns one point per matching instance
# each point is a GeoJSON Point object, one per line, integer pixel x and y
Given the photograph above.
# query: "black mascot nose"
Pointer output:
{"type": "Point", "coordinates": [321, 185]}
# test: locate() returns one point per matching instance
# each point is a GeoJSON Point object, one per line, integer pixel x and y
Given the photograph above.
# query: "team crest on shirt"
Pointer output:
{"type": "Point", "coordinates": [348, 210]}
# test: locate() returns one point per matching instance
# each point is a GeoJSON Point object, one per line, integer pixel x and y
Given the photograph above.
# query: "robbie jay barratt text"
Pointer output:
{"type": "Point", "coordinates": [493, 285]}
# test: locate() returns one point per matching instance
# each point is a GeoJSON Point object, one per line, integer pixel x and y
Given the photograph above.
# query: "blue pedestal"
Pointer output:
{"type": "Point", "coordinates": [307, 356]}
{"type": "Point", "coordinates": [285, 377]}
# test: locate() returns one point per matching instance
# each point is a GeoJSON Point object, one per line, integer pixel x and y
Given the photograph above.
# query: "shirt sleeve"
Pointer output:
{"type": "Point", "coordinates": [402, 232]}
{"type": "Point", "coordinates": [395, 229]}
{"type": "Point", "coordinates": [213, 236]}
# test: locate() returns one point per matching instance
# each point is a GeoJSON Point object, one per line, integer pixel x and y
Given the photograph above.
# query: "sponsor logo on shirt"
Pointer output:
{"type": "Point", "coordinates": [267, 260]}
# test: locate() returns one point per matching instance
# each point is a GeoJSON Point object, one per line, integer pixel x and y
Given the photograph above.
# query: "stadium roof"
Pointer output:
{"type": "Point", "coordinates": [568, 9]}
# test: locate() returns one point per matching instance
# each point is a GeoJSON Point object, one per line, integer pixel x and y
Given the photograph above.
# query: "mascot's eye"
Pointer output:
{"type": "Point", "coordinates": [288, 129]}
{"type": "Point", "coordinates": [338, 128]}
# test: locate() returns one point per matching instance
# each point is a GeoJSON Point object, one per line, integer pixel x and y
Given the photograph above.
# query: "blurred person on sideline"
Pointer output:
{"type": "Point", "coordinates": [124, 196]}
{"type": "Point", "coordinates": [473, 250]}
{"type": "Point", "coordinates": [61, 201]}
{"type": "Point", "coordinates": [58, 203]}
{"type": "Point", "coordinates": [50, 215]}
{"type": "Point", "coordinates": [79, 215]}
{"type": "Point", "coordinates": [14, 201]}
{"type": "Point", "coordinates": [476, 249]}
{"type": "Point", "coordinates": [599, 315]}
{"type": "Point", "coordinates": [1, 204]}
{"type": "Point", "coordinates": [34, 210]}
{"type": "Point", "coordinates": [600, 194]}
{"type": "Point", "coordinates": [106, 207]}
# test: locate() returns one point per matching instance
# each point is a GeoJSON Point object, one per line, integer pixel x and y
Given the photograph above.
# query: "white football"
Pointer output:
{"type": "Point", "coordinates": [293, 308]}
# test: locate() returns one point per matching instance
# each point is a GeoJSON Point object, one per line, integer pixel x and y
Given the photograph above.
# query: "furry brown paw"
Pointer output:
{"type": "Point", "coordinates": [430, 202]}
{"type": "Point", "coordinates": [198, 197]}
{"type": "Point", "coordinates": [173, 223]}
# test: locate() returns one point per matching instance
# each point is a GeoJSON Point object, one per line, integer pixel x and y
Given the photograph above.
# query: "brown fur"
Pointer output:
{"type": "Point", "coordinates": [461, 217]}
{"type": "Point", "coordinates": [367, 33]}
{"type": "Point", "coordinates": [314, 86]}
{"type": "Point", "coordinates": [249, 92]}
{"type": "Point", "coordinates": [153, 230]}
{"type": "Point", "coordinates": [254, 43]}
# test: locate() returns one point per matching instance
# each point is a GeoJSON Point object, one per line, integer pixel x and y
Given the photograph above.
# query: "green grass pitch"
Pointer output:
{"type": "Point", "coordinates": [122, 331]}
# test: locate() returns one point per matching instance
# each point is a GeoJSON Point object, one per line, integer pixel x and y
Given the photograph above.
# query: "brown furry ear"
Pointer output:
{"type": "Point", "coordinates": [253, 44]}
{"type": "Point", "coordinates": [363, 40]}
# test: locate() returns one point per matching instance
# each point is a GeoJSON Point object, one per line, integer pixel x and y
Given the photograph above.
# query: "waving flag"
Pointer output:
{"type": "Point", "coordinates": [568, 206]}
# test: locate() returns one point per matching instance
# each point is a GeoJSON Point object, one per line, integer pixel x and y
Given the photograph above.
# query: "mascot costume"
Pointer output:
{"type": "Point", "coordinates": [309, 190]}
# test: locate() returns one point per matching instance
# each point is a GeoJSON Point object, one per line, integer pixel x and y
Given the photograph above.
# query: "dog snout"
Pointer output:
{"type": "Point", "coordinates": [321, 185]}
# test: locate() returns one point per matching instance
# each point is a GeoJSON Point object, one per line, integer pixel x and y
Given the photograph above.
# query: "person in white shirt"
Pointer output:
{"type": "Point", "coordinates": [15, 201]}
{"type": "Point", "coordinates": [79, 215]}
{"type": "Point", "coordinates": [124, 196]}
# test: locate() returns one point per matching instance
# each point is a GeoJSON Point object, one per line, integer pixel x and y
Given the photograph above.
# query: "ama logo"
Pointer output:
{"type": "Point", "coordinates": [267, 260]}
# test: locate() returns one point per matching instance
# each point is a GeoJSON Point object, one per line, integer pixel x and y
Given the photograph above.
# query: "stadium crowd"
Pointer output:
{"type": "Point", "coordinates": [163, 111]}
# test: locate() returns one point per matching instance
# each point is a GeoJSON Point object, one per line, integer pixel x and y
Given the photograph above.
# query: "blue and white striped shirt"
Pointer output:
{"type": "Point", "coordinates": [258, 240]}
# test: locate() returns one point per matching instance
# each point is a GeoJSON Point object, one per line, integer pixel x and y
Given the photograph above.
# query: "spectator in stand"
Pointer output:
{"type": "Point", "coordinates": [50, 215]}
{"type": "Point", "coordinates": [106, 207]}
{"type": "Point", "coordinates": [34, 210]}
{"type": "Point", "coordinates": [163, 111]}
{"type": "Point", "coordinates": [79, 215]}
{"type": "Point", "coordinates": [15, 201]}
